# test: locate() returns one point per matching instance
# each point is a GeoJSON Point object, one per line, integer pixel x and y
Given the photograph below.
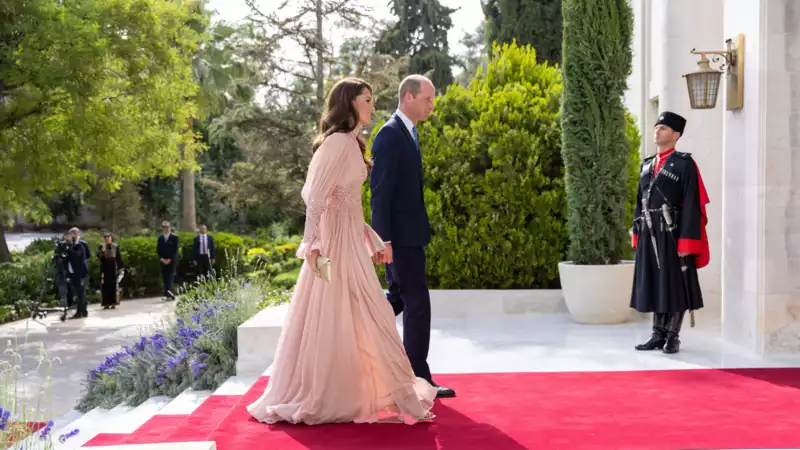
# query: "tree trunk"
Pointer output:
{"type": "Point", "coordinates": [189, 221]}
{"type": "Point", "coordinates": [320, 69]}
{"type": "Point", "coordinates": [5, 254]}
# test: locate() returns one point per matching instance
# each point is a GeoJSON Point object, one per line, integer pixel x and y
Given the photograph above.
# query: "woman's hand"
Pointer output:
{"type": "Point", "coordinates": [384, 256]}
{"type": "Point", "coordinates": [312, 259]}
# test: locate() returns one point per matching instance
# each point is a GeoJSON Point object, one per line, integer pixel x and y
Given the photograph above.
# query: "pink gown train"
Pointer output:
{"type": "Point", "coordinates": [340, 357]}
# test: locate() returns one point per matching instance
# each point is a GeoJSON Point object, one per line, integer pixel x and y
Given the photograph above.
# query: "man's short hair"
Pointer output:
{"type": "Point", "coordinates": [413, 84]}
{"type": "Point", "coordinates": [74, 230]}
{"type": "Point", "coordinates": [165, 224]}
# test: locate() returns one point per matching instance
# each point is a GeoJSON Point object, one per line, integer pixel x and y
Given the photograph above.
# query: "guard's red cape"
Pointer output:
{"type": "Point", "coordinates": [696, 247]}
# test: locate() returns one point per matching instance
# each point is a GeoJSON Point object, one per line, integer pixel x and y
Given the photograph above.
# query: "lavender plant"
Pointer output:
{"type": "Point", "coordinates": [196, 349]}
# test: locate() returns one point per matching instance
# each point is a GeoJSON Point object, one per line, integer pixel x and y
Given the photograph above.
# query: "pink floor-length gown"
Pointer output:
{"type": "Point", "coordinates": [340, 357]}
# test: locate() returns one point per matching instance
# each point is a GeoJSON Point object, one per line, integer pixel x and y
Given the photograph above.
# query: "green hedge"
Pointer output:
{"type": "Point", "coordinates": [494, 177]}
{"type": "Point", "coordinates": [23, 282]}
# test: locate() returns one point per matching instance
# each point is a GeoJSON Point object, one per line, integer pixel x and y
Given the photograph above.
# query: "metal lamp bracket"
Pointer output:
{"type": "Point", "coordinates": [730, 62]}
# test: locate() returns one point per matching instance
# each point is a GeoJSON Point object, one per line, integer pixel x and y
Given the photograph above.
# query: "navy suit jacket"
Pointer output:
{"type": "Point", "coordinates": [168, 248]}
{"type": "Point", "coordinates": [212, 249]}
{"type": "Point", "coordinates": [397, 202]}
{"type": "Point", "coordinates": [77, 259]}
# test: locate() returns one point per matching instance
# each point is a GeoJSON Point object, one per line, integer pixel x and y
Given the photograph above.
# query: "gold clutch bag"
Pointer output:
{"type": "Point", "coordinates": [324, 269]}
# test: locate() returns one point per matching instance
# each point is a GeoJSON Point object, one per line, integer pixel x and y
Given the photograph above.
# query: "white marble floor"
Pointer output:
{"type": "Point", "coordinates": [553, 342]}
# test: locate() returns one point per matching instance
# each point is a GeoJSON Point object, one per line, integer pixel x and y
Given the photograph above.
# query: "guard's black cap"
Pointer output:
{"type": "Point", "coordinates": [672, 120]}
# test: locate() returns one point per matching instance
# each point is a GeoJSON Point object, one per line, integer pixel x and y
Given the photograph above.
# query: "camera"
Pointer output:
{"type": "Point", "coordinates": [61, 249]}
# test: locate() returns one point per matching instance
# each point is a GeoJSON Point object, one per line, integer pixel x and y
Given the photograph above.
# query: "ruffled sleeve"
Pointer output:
{"type": "Point", "coordinates": [374, 242]}
{"type": "Point", "coordinates": [327, 161]}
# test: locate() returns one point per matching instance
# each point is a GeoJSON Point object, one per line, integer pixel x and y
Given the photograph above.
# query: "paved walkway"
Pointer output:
{"type": "Point", "coordinates": [80, 344]}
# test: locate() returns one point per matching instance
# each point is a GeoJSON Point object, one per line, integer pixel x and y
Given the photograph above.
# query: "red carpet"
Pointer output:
{"type": "Point", "coordinates": [743, 408]}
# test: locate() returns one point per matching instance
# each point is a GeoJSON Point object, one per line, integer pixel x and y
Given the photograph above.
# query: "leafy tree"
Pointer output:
{"type": "Point", "coordinates": [421, 33]}
{"type": "Point", "coordinates": [302, 22]}
{"type": "Point", "coordinates": [528, 22]}
{"type": "Point", "coordinates": [357, 58]}
{"type": "Point", "coordinates": [222, 80]}
{"type": "Point", "coordinates": [92, 92]}
{"type": "Point", "coordinates": [121, 210]}
{"type": "Point", "coordinates": [275, 141]}
{"type": "Point", "coordinates": [596, 65]}
{"type": "Point", "coordinates": [476, 54]}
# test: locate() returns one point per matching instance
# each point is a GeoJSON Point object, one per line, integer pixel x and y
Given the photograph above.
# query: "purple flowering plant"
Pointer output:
{"type": "Point", "coordinates": [195, 349]}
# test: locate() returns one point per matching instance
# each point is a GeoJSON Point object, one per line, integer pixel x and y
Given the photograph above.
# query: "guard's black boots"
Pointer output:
{"type": "Point", "coordinates": [673, 344]}
{"type": "Point", "coordinates": [658, 338]}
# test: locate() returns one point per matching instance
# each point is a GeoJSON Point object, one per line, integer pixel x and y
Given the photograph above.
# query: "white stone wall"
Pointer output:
{"type": "Point", "coordinates": [780, 190]}
{"type": "Point", "coordinates": [741, 167]}
{"type": "Point", "coordinates": [761, 227]}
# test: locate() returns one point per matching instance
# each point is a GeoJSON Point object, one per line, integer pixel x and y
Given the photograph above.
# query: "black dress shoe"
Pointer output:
{"type": "Point", "coordinates": [443, 392]}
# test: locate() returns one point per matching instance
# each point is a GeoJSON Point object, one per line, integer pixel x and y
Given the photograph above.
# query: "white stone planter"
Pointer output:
{"type": "Point", "coordinates": [597, 294]}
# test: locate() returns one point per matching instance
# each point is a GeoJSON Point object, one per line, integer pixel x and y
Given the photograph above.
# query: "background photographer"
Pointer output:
{"type": "Point", "coordinates": [61, 270]}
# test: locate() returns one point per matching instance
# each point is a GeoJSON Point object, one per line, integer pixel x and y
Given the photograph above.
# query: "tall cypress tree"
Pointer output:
{"type": "Point", "coordinates": [596, 64]}
{"type": "Point", "coordinates": [421, 33]}
{"type": "Point", "coordinates": [530, 22]}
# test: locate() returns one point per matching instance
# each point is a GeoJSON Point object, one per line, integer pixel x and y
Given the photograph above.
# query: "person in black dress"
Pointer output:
{"type": "Point", "coordinates": [669, 236]}
{"type": "Point", "coordinates": [110, 267]}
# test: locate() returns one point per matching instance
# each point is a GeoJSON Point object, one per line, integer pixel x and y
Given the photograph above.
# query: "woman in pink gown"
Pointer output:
{"type": "Point", "coordinates": [340, 357]}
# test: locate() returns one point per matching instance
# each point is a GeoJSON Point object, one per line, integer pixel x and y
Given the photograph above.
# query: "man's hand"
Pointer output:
{"type": "Point", "coordinates": [387, 255]}
{"type": "Point", "coordinates": [167, 261]}
{"type": "Point", "coordinates": [683, 254]}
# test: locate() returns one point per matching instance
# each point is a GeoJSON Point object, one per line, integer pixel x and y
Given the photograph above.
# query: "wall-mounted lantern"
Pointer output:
{"type": "Point", "coordinates": [704, 84]}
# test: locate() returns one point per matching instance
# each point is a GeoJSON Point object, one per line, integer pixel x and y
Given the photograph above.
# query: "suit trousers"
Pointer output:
{"type": "Point", "coordinates": [168, 274]}
{"type": "Point", "coordinates": [408, 293]}
{"type": "Point", "coordinates": [79, 290]}
{"type": "Point", "coordinates": [203, 266]}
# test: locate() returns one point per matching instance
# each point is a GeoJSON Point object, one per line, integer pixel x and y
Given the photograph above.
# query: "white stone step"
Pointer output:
{"type": "Point", "coordinates": [125, 419]}
{"type": "Point", "coordinates": [136, 417]}
{"type": "Point", "coordinates": [117, 419]}
{"type": "Point", "coordinates": [237, 385]}
{"type": "Point", "coordinates": [120, 419]}
{"type": "Point", "coordinates": [86, 425]}
{"type": "Point", "coordinates": [185, 403]}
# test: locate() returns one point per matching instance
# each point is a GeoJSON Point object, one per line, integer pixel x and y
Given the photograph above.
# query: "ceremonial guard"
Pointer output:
{"type": "Point", "coordinates": [669, 236]}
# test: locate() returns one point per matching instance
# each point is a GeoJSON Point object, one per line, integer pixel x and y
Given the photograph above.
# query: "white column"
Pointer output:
{"type": "Point", "coordinates": [684, 25]}
{"type": "Point", "coordinates": [761, 226]}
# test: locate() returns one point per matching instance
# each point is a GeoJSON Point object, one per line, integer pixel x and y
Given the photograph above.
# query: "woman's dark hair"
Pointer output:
{"type": "Point", "coordinates": [340, 116]}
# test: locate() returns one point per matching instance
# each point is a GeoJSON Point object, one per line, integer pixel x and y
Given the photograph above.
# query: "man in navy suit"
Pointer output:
{"type": "Point", "coordinates": [76, 237]}
{"type": "Point", "coordinates": [78, 274]}
{"type": "Point", "coordinates": [168, 254]}
{"type": "Point", "coordinates": [400, 218]}
{"type": "Point", "coordinates": [204, 252]}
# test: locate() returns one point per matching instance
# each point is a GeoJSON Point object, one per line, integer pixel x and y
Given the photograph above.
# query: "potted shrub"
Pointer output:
{"type": "Point", "coordinates": [596, 280]}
